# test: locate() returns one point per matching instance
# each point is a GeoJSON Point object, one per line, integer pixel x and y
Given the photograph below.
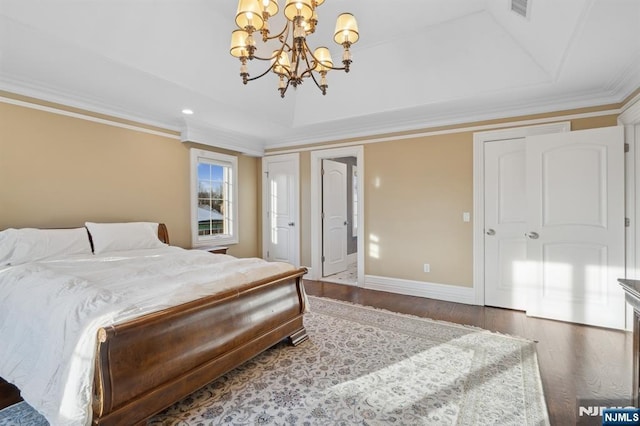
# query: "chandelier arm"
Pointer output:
{"type": "Point", "coordinates": [310, 54]}
{"type": "Point", "coordinates": [299, 53]}
{"type": "Point", "coordinates": [329, 67]}
{"type": "Point", "coordinates": [263, 74]}
{"type": "Point", "coordinates": [272, 66]}
{"type": "Point", "coordinates": [313, 77]}
{"type": "Point", "coordinates": [309, 70]}
{"type": "Point", "coordinates": [284, 90]}
{"type": "Point", "coordinates": [317, 61]}
{"type": "Point", "coordinates": [264, 59]}
{"type": "Point", "coordinates": [285, 47]}
{"type": "Point", "coordinates": [280, 34]}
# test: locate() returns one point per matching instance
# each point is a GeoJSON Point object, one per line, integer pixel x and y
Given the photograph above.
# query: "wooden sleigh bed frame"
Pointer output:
{"type": "Point", "coordinates": [146, 364]}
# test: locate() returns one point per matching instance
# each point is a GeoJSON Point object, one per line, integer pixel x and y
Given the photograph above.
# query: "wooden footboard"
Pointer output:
{"type": "Point", "coordinates": [151, 362]}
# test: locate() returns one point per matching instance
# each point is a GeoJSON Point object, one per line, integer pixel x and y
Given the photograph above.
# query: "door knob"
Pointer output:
{"type": "Point", "coordinates": [491, 231]}
{"type": "Point", "coordinates": [532, 235]}
{"type": "Point", "coordinates": [292, 224]}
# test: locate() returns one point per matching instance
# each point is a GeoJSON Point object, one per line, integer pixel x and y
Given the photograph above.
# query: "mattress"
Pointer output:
{"type": "Point", "coordinates": [51, 310]}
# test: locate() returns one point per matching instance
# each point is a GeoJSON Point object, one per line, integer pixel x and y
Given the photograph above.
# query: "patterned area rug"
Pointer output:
{"type": "Point", "coordinates": [21, 414]}
{"type": "Point", "coordinates": [371, 367]}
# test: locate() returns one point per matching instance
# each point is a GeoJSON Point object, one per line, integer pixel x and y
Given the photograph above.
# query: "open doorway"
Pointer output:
{"type": "Point", "coordinates": [337, 249]}
{"type": "Point", "coordinates": [339, 220]}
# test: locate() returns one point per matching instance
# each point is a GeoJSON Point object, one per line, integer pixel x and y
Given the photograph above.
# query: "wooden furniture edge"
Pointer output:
{"type": "Point", "coordinates": [163, 234]}
{"type": "Point", "coordinates": [108, 405]}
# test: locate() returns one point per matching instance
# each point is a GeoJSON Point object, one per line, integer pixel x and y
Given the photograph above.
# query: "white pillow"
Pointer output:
{"type": "Point", "coordinates": [108, 237]}
{"type": "Point", "coordinates": [24, 245]}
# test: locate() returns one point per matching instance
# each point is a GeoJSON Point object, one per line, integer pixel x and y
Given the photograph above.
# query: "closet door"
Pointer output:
{"type": "Point", "coordinates": [575, 235]}
{"type": "Point", "coordinates": [507, 281]}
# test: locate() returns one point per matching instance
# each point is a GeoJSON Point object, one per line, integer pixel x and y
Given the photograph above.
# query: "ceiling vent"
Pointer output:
{"type": "Point", "coordinates": [521, 7]}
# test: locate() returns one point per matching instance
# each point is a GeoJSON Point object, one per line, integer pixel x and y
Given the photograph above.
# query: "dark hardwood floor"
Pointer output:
{"type": "Point", "coordinates": [577, 362]}
{"type": "Point", "coordinates": [9, 394]}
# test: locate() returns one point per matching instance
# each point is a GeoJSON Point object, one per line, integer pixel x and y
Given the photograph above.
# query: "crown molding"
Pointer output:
{"type": "Point", "coordinates": [90, 105]}
{"type": "Point", "coordinates": [421, 118]}
{"type": "Point", "coordinates": [219, 138]}
{"type": "Point", "coordinates": [461, 129]}
{"type": "Point", "coordinates": [630, 111]}
{"type": "Point", "coordinates": [372, 127]}
{"type": "Point", "coordinates": [627, 80]}
{"type": "Point", "coordinates": [86, 117]}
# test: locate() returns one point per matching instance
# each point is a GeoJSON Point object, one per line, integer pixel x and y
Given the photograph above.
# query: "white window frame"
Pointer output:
{"type": "Point", "coordinates": [201, 155]}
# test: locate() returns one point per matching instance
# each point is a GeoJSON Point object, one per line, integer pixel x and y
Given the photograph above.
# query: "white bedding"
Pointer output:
{"type": "Point", "coordinates": [50, 312]}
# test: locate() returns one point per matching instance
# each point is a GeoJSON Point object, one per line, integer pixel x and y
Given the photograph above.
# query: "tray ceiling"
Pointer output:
{"type": "Point", "coordinates": [417, 65]}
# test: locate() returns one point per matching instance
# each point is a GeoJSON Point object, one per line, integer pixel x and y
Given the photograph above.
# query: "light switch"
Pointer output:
{"type": "Point", "coordinates": [466, 216]}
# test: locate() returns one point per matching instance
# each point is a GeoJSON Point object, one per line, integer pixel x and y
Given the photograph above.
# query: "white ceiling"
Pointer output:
{"type": "Point", "coordinates": [418, 64]}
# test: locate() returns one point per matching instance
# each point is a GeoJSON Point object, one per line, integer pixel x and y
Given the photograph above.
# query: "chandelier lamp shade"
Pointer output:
{"type": "Point", "coordinates": [290, 57]}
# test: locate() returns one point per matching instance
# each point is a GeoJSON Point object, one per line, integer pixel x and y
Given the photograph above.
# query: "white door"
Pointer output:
{"type": "Point", "coordinates": [575, 198]}
{"type": "Point", "coordinates": [280, 198]}
{"type": "Point", "coordinates": [507, 283]}
{"type": "Point", "coordinates": [334, 213]}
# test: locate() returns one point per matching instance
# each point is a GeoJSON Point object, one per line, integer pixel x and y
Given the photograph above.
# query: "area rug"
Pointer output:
{"type": "Point", "coordinates": [367, 366]}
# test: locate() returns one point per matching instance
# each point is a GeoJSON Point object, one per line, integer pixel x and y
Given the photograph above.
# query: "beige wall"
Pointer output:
{"type": "Point", "coordinates": [249, 209]}
{"type": "Point", "coordinates": [415, 193]}
{"type": "Point", "coordinates": [305, 208]}
{"type": "Point", "coordinates": [58, 171]}
{"type": "Point", "coordinates": [416, 190]}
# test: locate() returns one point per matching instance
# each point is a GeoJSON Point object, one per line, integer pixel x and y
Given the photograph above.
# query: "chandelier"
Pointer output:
{"type": "Point", "coordinates": [292, 59]}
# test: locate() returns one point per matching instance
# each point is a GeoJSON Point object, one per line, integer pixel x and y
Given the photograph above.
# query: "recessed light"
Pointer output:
{"type": "Point", "coordinates": [187, 111]}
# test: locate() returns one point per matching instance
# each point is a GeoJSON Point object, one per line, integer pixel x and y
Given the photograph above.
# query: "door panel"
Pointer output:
{"type": "Point", "coordinates": [562, 281]}
{"type": "Point", "coordinates": [507, 283]}
{"type": "Point", "coordinates": [512, 254]}
{"type": "Point", "coordinates": [578, 197]}
{"type": "Point", "coordinates": [334, 224]}
{"type": "Point", "coordinates": [280, 217]}
{"type": "Point", "coordinates": [575, 198]}
{"type": "Point", "coordinates": [511, 182]}
{"type": "Point", "coordinates": [281, 210]}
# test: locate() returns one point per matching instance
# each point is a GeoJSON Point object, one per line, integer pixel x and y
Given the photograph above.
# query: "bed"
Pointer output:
{"type": "Point", "coordinates": [119, 332]}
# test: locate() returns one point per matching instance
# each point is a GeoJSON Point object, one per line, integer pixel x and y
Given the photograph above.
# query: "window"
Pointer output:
{"type": "Point", "coordinates": [214, 189]}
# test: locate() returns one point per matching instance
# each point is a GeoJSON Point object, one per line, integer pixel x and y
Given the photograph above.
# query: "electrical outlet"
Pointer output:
{"type": "Point", "coordinates": [427, 267]}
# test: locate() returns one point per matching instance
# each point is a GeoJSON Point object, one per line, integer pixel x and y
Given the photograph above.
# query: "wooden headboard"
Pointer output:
{"type": "Point", "coordinates": [163, 234]}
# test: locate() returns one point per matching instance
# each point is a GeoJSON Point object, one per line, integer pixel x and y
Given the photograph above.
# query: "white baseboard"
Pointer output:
{"type": "Point", "coordinates": [449, 293]}
{"type": "Point", "coordinates": [352, 258]}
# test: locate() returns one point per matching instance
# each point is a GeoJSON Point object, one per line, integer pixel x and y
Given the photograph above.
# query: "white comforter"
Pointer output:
{"type": "Point", "coordinates": [50, 312]}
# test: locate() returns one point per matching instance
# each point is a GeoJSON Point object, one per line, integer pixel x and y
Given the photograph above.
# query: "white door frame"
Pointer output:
{"type": "Point", "coordinates": [295, 157]}
{"type": "Point", "coordinates": [316, 205]}
{"type": "Point", "coordinates": [479, 138]}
